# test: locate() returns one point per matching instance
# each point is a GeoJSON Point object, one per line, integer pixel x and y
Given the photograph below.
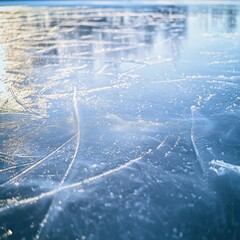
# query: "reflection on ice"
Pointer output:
{"type": "Point", "coordinates": [110, 120]}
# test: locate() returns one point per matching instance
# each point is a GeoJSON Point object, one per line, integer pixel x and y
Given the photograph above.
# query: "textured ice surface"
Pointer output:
{"type": "Point", "coordinates": [221, 167]}
{"type": "Point", "coordinates": [111, 120]}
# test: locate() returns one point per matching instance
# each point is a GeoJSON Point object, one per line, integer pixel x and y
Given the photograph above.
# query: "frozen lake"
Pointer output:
{"type": "Point", "coordinates": [120, 123]}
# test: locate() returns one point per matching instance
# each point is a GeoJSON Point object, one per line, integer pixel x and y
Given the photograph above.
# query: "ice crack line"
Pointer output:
{"type": "Point", "coordinates": [69, 186]}
{"type": "Point", "coordinates": [13, 179]}
{"type": "Point", "coordinates": [193, 139]}
{"type": "Point", "coordinates": [61, 188]}
{"type": "Point", "coordinates": [77, 117]}
{"type": "Point", "coordinates": [51, 208]}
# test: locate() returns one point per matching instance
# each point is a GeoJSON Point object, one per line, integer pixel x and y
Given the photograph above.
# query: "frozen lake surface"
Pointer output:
{"type": "Point", "coordinates": [120, 123]}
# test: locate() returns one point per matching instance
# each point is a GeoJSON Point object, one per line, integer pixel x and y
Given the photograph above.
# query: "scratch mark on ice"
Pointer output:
{"type": "Point", "coordinates": [193, 139]}
{"type": "Point", "coordinates": [223, 167]}
{"type": "Point", "coordinates": [75, 104]}
{"type": "Point", "coordinates": [61, 188]}
{"type": "Point", "coordinates": [13, 179]}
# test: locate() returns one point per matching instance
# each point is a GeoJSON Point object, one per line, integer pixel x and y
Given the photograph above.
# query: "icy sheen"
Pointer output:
{"type": "Point", "coordinates": [120, 123]}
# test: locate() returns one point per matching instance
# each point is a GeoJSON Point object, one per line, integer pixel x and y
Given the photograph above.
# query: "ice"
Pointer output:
{"type": "Point", "coordinates": [110, 119]}
{"type": "Point", "coordinates": [221, 167]}
{"type": "Point", "coordinates": [77, 121]}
